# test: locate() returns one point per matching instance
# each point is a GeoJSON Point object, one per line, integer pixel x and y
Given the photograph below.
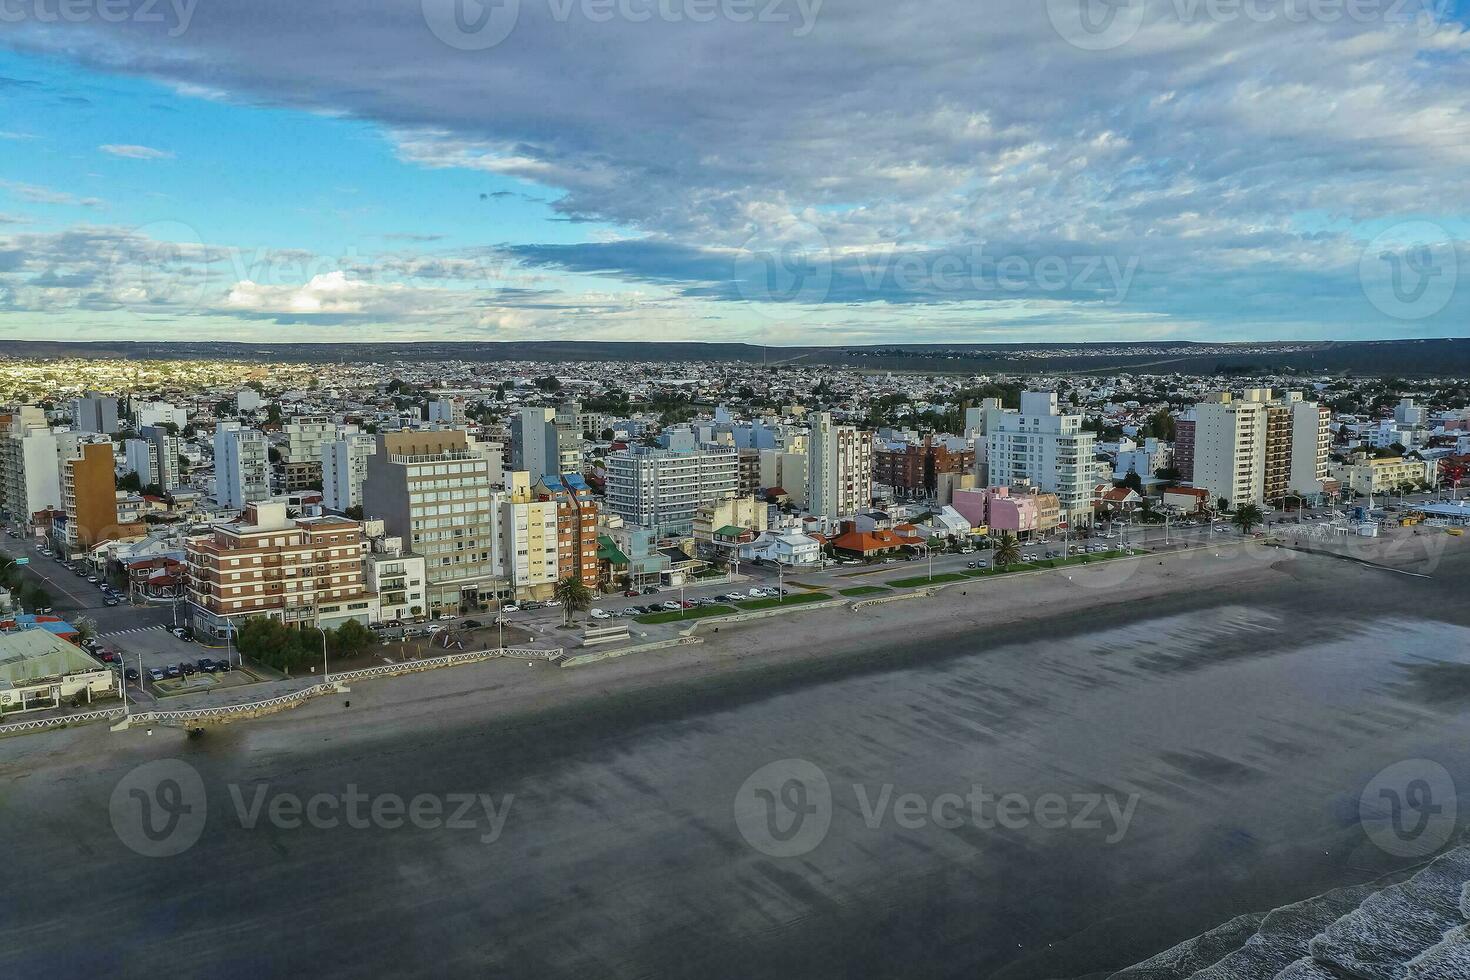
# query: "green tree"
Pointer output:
{"type": "Point", "coordinates": [574, 596]}
{"type": "Point", "coordinates": [350, 639]}
{"type": "Point", "coordinates": [1008, 551]}
{"type": "Point", "coordinates": [1246, 517]}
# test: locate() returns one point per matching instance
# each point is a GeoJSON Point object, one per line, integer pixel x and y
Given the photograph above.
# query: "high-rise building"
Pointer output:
{"type": "Point", "coordinates": [576, 526]}
{"type": "Point", "coordinates": [305, 435]}
{"type": "Point", "coordinates": [450, 411]}
{"type": "Point", "coordinates": [430, 489]}
{"type": "Point", "coordinates": [94, 413]}
{"type": "Point", "coordinates": [535, 445]}
{"type": "Point", "coordinates": [1230, 446]}
{"type": "Point", "coordinates": [344, 468]}
{"type": "Point", "coordinates": [241, 465]}
{"type": "Point", "coordinates": [88, 500]}
{"type": "Point", "coordinates": [305, 571]}
{"type": "Point", "coordinates": [1184, 446]}
{"type": "Point", "coordinates": [659, 489]}
{"type": "Point", "coordinates": [141, 457]}
{"type": "Point", "coordinates": [1256, 448]}
{"type": "Point", "coordinates": [839, 469]}
{"type": "Point", "coordinates": [166, 452]}
{"type": "Point", "coordinates": [30, 477]}
{"type": "Point", "coordinates": [527, 549]}
{"type": "Point", "coordinates": [1040, 447]}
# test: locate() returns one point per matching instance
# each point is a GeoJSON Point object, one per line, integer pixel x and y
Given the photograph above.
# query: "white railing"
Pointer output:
{"type": "Point", "coordinates": [37, 724]}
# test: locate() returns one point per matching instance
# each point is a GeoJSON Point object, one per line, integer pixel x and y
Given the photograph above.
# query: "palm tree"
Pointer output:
{"type": "Point", "coordinates": [1246, 517]}
{"type": "Point", "coordinates": [574, 596]}
{"type": "Point", "coordinates": [1008, 552]}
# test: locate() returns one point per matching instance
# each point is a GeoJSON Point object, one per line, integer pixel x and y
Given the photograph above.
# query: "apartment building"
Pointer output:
{"type": "Point", "coordinates": [305, 434]}
{"type": "Point", "coordinates": [306, 572]}
{"type": "Point", "coordinates": [661, 489]}
{"type": "Point", "coordinates": [158, 413]}
{"type": "Point", "coordinates": [94, 413]}
{"type": "Point", "coordinates": [164, 452]}
{"type": "Point", "coordinates": [1230, 446]}
{"type": "Point", "coordinates": [88, 502]}
{"type": "Point", "coordinates": [1042, 448]}
{"type": "Point", "coordinates": [1387, 475]}
{"type": "Point", "coordinates": [450, 411]}
{"type": "Point", "coordinates": [241, 465]}
{"type": "Point", "coordinates": [141, 457]}
{"type": "Point", "coordinates": [1256, 448]}
{"type": "Point", "coordinates": [30, 478]}
{"type": "Point", "coordinates": [1184, 446]}
{"type": "Point", "coordinates": [914, 469]}
{"type": "Point", "coordinates": [722, 527]}
{"type": "Point", "coordinates": [398, 580]}
{"type": "Point", "coordinates": [749, 477]}
{"type": "Point", "coordinates": [527, 539]}
{"type": "Point", "coordinates": [576, 526]}
{"type": "Point", "coordinates": [535, 444]}
{"type": "Point", "coordinates": [344, 468]}
{"type": "Point", "coordinates": [430, 489]}
{"type": "Point", "coordinates": [839, 469]}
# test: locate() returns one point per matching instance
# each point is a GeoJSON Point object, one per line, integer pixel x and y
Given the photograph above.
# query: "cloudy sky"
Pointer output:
{"type": "Point", "coordinates": [770, 171]}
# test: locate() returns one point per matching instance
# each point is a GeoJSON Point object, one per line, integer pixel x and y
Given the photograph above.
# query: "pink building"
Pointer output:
{"type": "Point", "coordinates": [997, 509]}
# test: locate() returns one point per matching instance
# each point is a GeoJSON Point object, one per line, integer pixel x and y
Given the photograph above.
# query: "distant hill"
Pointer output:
{"type": "Point", "coordinates": [1443, 358]}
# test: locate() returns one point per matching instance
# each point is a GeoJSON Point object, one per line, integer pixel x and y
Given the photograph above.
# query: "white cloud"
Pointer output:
{"type": "Point", "coordinates": [132, 151]}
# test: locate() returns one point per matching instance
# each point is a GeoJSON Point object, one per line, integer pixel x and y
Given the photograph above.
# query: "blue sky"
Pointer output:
{"type": "Point", "coordinates": [854, 173]}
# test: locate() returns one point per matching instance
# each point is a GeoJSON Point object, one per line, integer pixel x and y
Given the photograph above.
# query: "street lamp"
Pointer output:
{"type": "Point", "coordinates": [322, 630]}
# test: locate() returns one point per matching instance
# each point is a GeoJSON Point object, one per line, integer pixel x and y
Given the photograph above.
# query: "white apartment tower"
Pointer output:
{"type": "Point", "coordinates": [662, 490]}
{"type": "Point", "coordinates": [839, 469]}
{"type": "Point", "coordinates": [241, 465]}
{"type": "Point", "coordinates": [344, 468]}
{"type": "Point", "coordinates": [1040, 446]}
{"type": "Point", "coordinates": [1230, 446]}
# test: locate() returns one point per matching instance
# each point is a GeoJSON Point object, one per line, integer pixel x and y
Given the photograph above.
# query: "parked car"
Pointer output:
{"type": "Point", "coordinates": [632, 594]}
{"type": "Point", "coordinates": [651, 590]}
{"type": "Point", "coordinates": [130, 674]}
{"type": "Point", "coordinates": [110, 601]}
{"type": "Point", "coordinates": [223, 666]}
{"type": "Point", "coordinates": [92, 579]}
{"type": "Point", "coordinates": [446, 617]}
{"type": "Point", "coordinates": [598, 613]}
{"type": "Point", "coordinates": [511, 607]}
{"type": "Point", "coordinates": [470, 624]}
{"type": "Point", "coordinates": [551, 603]}
{"type": "Point", "coordinates": [672, 605]}
{"type": "Point", "coordinates": [174, 670]}
{"type": "Point", "coordinates": [205, 664]}
{"type": "Point", "coordinates": [155, 674]}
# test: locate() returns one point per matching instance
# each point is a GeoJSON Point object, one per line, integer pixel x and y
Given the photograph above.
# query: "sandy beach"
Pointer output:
{"type": "Point", "coordinates": [1241, 698]}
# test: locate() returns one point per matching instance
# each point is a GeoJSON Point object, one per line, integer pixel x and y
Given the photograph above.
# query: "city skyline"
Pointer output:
{"type": "Point", "coordinates": [1196, 177]}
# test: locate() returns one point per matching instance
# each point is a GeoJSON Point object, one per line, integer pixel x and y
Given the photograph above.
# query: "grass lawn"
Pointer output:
{"type": "Point", "coordinates": [865, 590]}
{"type": "Point", "coordinates": [923, 580]}
{"type": "Point", "coordinates": [1046, 563]}
{"type": "Point", "coordinates": [771, 602]}
{"type": "Point", "coordinates": [675, 616]}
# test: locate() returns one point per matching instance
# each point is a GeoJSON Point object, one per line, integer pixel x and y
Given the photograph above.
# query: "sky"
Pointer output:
{"type": "Point", "coordinates": [765, 171]}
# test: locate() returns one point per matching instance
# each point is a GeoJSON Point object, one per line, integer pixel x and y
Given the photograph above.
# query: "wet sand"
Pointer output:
{"type": "Point", "coordinates": [1245, 700]}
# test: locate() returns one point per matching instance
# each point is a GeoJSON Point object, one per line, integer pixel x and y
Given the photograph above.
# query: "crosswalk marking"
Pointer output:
{"type": "Point", "coordinates": [136, 629]}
